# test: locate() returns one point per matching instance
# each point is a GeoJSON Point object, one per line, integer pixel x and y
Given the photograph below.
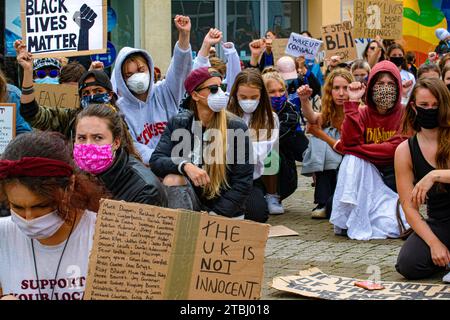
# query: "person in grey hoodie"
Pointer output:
{"type": "Point", "coordinates": [148, 107]}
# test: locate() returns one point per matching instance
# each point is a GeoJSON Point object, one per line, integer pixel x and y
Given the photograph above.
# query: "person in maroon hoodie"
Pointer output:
{"type": "Point", "coordinates": [365, 202]}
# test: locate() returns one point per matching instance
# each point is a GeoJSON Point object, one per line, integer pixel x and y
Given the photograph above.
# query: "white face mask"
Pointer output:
{"type": "Point", "coordinates": [139, 82]}
{"type": "Point", "coordinates": [40, 228]}
{"type": "Point", "coordinates": [249, 106]}
{"type": "Point", "coordinates": [217, 102]}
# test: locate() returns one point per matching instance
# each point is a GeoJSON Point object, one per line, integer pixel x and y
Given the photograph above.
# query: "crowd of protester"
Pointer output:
{"type": "Point", "coordinates": [226, 138]}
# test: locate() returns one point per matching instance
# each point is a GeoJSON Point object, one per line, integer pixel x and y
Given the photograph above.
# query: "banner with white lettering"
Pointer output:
{"type": "Point", "coordinates": [64, 28]}
{"type": "Point", "coordinates": [303, 46]}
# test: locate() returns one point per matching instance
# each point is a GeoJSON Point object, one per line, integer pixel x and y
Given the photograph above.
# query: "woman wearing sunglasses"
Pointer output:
{"type": "Point", "coordinates": [203, 156]}
{"type": "Point", "coordinates": [46, 71]}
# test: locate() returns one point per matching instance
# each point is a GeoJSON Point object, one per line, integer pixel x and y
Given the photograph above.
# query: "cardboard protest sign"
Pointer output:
{"type": "Point", "coordinates": [64, 28]}
{"type": "Point", "coordinates": [303, 46]}
{"type": "Point", "coordinates": [146, 252]}
{"type": "Point", "coordinates": [7, 124]}
{"type": "Point", "coordinates": [382, 18]}
{"type": "Point", "coordinates": [338, 41]}
{"type": "Point", "coordinates": [57, 95]}
{"type": "Point", "coordinates": [314, 283]}
{"type": "Point", "coordinates": [281, 231]}
{"type": "Point", "coordinates": [279, 48]}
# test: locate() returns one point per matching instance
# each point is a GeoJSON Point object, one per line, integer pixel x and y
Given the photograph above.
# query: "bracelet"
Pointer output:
{"type": "Point", "coordinates": [27, 87]}
{"type": "Point", "coordinates": [27, 91]}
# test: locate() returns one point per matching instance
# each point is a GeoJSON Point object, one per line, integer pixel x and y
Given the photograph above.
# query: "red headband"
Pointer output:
{"type": "Point", "coordinates": [34, 167]}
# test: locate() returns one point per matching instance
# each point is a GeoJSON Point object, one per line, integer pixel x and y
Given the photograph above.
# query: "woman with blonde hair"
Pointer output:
{"type": "Point", "coordinates": [320, 158]}
{"type": "Point", "coordinates": [422, 167]}
{"type": "Point", "coordinates": [250, 101]}
{"type": "Point", "coordinates": [198, 169]}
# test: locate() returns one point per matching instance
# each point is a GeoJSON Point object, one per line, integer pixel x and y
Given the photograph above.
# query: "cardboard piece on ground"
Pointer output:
{"type": "Point", "coordinates": [313, 283]}
{"type": "Point", "coordinates": [382, 18]}
{"type": "Point", "coordinates": [338, 41]}
{"type": "Point", "coordinates": [7, 124]}
{"type": "Point", "coordinates": [64, 28]}
{"type": "Point", "coordinates": [281, 231]}
{"type": "Point", "coordinates": [142, 252]}
{"type": "Point", "coordinates": [57, 95]}
{"type": "Point", "coordinates": [279, 48]}
{"type": "Point", "coordinates": [303, 46]}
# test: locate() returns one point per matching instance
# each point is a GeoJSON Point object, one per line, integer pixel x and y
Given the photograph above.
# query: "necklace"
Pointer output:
{"type": "Point", "coordinates": [57, 268]}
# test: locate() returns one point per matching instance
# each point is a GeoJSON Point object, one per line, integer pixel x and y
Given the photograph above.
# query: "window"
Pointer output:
{"type": "Point", "coordinates": [285, 17]}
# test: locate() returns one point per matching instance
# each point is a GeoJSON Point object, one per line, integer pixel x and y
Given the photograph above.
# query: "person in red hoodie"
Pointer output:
{"type": "Point", "coordinates": [365, 202]}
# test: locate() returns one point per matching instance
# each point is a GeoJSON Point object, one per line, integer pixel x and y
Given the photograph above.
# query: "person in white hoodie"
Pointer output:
{"type": "Point", "coordinates": [148, 107]}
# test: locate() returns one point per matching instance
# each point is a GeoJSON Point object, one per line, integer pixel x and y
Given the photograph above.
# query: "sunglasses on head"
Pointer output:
{"type": "Point", "coordinates": [213, 88]}
{"type": "Point", "coordinates": [41, 74]}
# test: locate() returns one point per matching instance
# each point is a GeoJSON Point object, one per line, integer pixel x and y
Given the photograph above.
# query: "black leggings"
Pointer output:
{"type": "Point", "coordinates": [414, 261]}
{"type": "Point", "coordinates": [256, 205]}
{"type": "Point", "coordinates": [325, 186]}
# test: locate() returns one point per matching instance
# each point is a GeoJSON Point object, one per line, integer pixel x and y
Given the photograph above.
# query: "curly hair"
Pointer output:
{"type": "Point", "coordinates": [331, 114]}
{"type": "Point", "coordinates": [69, 195]}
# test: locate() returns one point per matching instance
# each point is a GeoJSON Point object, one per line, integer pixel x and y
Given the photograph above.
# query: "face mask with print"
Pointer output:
{"type": "Point", "coordinates": [40, 228]}
{"type": "Point", "coordinates": [249, 106]}
{"type": "Point", "coordinates": [93, 158]}
{"type": "Point", "coordinates": [139, 82]}
{"type": "Point", "coordinates": [218, 101]}
{"type": "Point", "coordinates": [384, 96]}
{"type": "Point", "coordinates": [96, 98]}
{"type": "Point", "coordinates": [278, 102]}
{"type": "Point", "coordinates": [427, 118]}
{"type": "Point", "coordinates": [47, 80]}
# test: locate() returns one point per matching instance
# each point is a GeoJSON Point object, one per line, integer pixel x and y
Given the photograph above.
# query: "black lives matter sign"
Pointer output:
{"type": "Point", "coordinates": [64, 27]}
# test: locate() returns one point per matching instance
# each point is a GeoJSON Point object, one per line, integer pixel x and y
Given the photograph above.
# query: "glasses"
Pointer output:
{"type": "Point", "coordinates": [213, 88]}
{"type": "Point", "coordinates": [41, 74]}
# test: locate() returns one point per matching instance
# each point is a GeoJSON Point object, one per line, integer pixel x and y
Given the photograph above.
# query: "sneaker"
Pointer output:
{"type": "Point", "coordinates": [319, 212]}
{"type": "Point", "coordinates": [340, 232]}
{"type": "Point", "coordinates": [447, 277]}
{"type": "Point", "coordinates": [274, 205]}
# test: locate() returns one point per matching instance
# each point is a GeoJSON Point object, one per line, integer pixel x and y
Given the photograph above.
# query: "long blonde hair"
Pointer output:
{"type": "Point", "coordinates": [217, 170]}
{"type": "Point", "coordinates": [331, 114]}
{"type": "Point", "coordinates": [270, 74]}
{"type": "Point", "coordinates": [3, 87]}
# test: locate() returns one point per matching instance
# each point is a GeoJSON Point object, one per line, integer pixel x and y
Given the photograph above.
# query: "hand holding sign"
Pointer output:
{"type": "Point", "coordinates": [85, 18]}
{"type": "Point", "coordinates": [24, 58]}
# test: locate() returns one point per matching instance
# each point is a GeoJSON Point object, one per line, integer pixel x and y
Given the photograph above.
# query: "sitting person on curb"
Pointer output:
{"type": "Point", "coordinates": [52, 223]}
{"type": "Point", "coordinates": [422, 167]}
{"type": "Point", "coordinates": [365, 201]}
{"type": "Point", "coordinates": [104, 148]}
{"type": "Point", "coordinates": [203, 156]}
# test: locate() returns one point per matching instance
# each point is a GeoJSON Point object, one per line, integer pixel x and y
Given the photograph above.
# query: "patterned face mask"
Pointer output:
{"type": "Point", "coordinates": [93, 158]}
{"type": "Point", "coordinates": [384, 96]}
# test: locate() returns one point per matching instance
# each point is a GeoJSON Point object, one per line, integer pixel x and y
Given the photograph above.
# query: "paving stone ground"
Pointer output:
{"type": "Point", "coordinates": [317, 246]}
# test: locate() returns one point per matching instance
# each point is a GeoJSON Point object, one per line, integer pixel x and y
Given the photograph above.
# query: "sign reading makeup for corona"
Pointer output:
{"type": "Point", "coordinates": [64, 28]}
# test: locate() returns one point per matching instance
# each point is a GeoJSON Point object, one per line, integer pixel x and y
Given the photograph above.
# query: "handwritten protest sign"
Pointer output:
{"type": "Point", "coordinates": [339, 41]}
{"type": "Point", "coordinates": [7, 124]}
{"type": "Point", "coordinates": [146, 252]}
{"type": "Point", "coordinates": [303, 46]}
{"type": "Point", "coordinates": [57, 96]}
{"type": "Point", "coordinates": [314, 283]}
{"type": "Point", "coordinates": [279, 48]}
{"type": "Point", "coordinates": [64, 28]}
{"type": "Point", "coordinates": [382, 18]}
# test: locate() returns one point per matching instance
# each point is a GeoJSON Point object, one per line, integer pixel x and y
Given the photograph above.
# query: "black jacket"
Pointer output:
{"type": "Point", "coordinates": [239, 174]}
{"type": "Point", "coordinates": [129, 180]}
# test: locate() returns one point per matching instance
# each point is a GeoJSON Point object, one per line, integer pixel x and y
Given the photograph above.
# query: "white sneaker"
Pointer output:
{"type": "Point", "coordinates": [319, 213]}
{"type": "Point", "coordinates": [274, 205]}
{"type": "Point", "coordinates": [447, 277]}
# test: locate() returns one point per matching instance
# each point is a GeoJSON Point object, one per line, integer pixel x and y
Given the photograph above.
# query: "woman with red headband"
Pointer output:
{"type": "Point", "coordinates": [45, 243]}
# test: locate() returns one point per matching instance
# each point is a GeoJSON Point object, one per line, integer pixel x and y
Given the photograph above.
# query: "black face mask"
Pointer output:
{"type": "Point", "coordinates": [398, 61]}
{"type": "Point", "coordinates": [427, 118]}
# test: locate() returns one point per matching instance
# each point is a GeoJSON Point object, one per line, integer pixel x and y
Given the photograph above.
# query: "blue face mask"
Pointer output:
{"type": "Point", "coordinates": [96, 98]}
{"type": "Point", "coordinates": [47, 80]}
{"type": "Point", "coordinates": [278, 102]}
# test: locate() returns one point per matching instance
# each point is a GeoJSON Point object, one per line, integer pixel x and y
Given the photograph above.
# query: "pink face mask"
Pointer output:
{"type": "Point", "coordinates": [93, 158]}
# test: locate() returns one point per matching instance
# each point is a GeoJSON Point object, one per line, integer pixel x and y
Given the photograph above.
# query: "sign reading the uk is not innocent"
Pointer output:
{"type": "Point", "coordinates": [64, 28]}
{"type": "Point", "coordinates": [303, 46]}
